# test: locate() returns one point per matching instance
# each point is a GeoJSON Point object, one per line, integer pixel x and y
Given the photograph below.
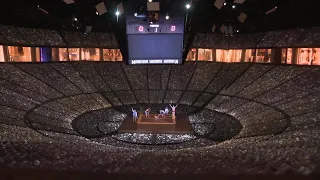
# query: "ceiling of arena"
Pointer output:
{"type": "Point", "coordinates": [289, 14]}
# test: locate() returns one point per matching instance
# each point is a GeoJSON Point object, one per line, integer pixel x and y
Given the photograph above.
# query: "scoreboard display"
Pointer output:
{"type": "Point", "coordinates": [166, 26]}
{"type": "Point", "coordinates": [159, 42]}
{"type": "Point", "coordinates": [154, 28]}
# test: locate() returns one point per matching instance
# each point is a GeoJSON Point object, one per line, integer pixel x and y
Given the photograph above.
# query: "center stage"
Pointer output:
{"type": "Point", "coordinates": [178, 125]}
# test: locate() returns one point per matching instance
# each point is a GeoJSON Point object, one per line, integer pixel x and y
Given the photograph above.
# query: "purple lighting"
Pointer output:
{"type": "Point", "coordinates": [45, 54]}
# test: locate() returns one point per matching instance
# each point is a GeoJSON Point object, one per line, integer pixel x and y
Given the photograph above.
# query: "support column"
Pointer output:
{"type": "Point", "coordinates": [294, 55]}
{"type": "Point", "coordinates": [277, 53]}
{"type": "Point", "coordinates": [214, 55]}
{"type": "Point", "coordinates": [101, 54]}
{"type": "Point", "coordinates": [243, 55]}
{"type": "Point", "coordinates": [33, 54]}
{"type": "Point", "coordinates": [6, 54]}
{"type": "Point", "coordinates": [80, 54]}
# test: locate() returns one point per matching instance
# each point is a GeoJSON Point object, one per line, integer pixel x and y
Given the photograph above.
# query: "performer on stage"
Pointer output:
{"type": "Point", "coordinates": [166, 110]}
{"type": "Point", "coordinates": [162, 113]}
{"type": "Point", "coordinates": [147, 112]}
{"type": "Point", "coordinates": [134, 114]}
{"type": "Point", "coordinates": [173, 109]}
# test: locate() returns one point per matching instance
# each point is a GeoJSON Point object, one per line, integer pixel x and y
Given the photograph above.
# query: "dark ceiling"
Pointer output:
{"type": "Point", "coordinates": [289, 14]}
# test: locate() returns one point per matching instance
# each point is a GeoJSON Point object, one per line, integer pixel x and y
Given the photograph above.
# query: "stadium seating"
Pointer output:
{"type": "Point", "coordinates": [248, 118]}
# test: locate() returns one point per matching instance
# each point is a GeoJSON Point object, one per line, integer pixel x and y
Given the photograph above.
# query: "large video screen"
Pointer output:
{"type": "Point", "coordinates": [159, 42]}
{"type": "Point", "coordinates": [155, 48]}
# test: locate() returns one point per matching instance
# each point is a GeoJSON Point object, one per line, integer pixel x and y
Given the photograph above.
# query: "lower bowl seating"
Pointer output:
{"type": "Point", "coordinates": [239, 118]}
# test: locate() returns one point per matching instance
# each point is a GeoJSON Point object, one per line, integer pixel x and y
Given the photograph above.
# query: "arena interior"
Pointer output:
{"type": "Point", "coordinates": [61, 119]}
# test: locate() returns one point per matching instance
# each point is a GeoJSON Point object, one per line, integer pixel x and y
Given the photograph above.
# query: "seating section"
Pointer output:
{"type": "Point", "coordinates": [303, 37]}
{"type": "Point", "coordinates": [247, 118]}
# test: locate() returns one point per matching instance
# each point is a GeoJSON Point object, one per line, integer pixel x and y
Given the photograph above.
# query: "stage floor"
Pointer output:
{"type": "Point", "coordinates": [179, 125]}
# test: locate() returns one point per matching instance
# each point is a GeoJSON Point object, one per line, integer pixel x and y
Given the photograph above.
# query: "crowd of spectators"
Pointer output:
{"type": "Point", "coordinates": [88, 39]}
{"type": "Point", "coordinates": [50, 38]}
{"type": "Point", "coordinates": [33, 35]}
{"type": "Point", "coordinates": [12, 35]}
{"type": "Point", "coordinates": [40, 37]}
{"type": "Point", "coordinates": [246, 119]}
{"type": "Point", "coordinates": [173, 138]}
{"type": "Point", "coordinates": [215, 126]}
{"type": "Point", "coordinates": [73, 38]}
{"type": "Point", "coordinates": [104, 39]}
{"type": "Point", "coordinates": [292, 152]}
{"type": "Point", "coordinates": [98, 122]}
{"type": "Point", "coordinates": [136, 138]}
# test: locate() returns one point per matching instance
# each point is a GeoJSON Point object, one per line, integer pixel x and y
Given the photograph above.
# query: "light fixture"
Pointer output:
{"type": "Point", "coordinates": [135, 14]}
{"type": "Point", "coordinates": [272, 10]}
{"type": "Point", "coordinates": [167, 17]}
{"type": "Point", "coordinates": [233, 6]}
{"type": "Point", "coordinates": [188, 6]}
{"type": "Point", "coordinates": [224, 3]}
{"type": "Point", "coordinates": [97, 13]}
{"type": "Point", "coordinates": [150, 0]}
{"type": "Point", "coordinates": [117, 13]}
{"type": "Point", "coordinates": [237, 31]}
{"type": "Point", "coordinates": [75, 19]}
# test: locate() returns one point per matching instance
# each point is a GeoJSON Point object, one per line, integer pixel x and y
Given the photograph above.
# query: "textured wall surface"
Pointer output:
{"type": "Point", "coordinates": [278, 108]}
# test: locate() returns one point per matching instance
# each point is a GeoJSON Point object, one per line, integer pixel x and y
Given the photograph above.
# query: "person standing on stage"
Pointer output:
{"type": "Point", "coordinates": [173, 109]}
{"type": "Point", "coordinates": [134, 114]}
{"type": "Point", "coordinates": [166, 110]}
{"type": "Point", "coordinates": [147, 112]}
